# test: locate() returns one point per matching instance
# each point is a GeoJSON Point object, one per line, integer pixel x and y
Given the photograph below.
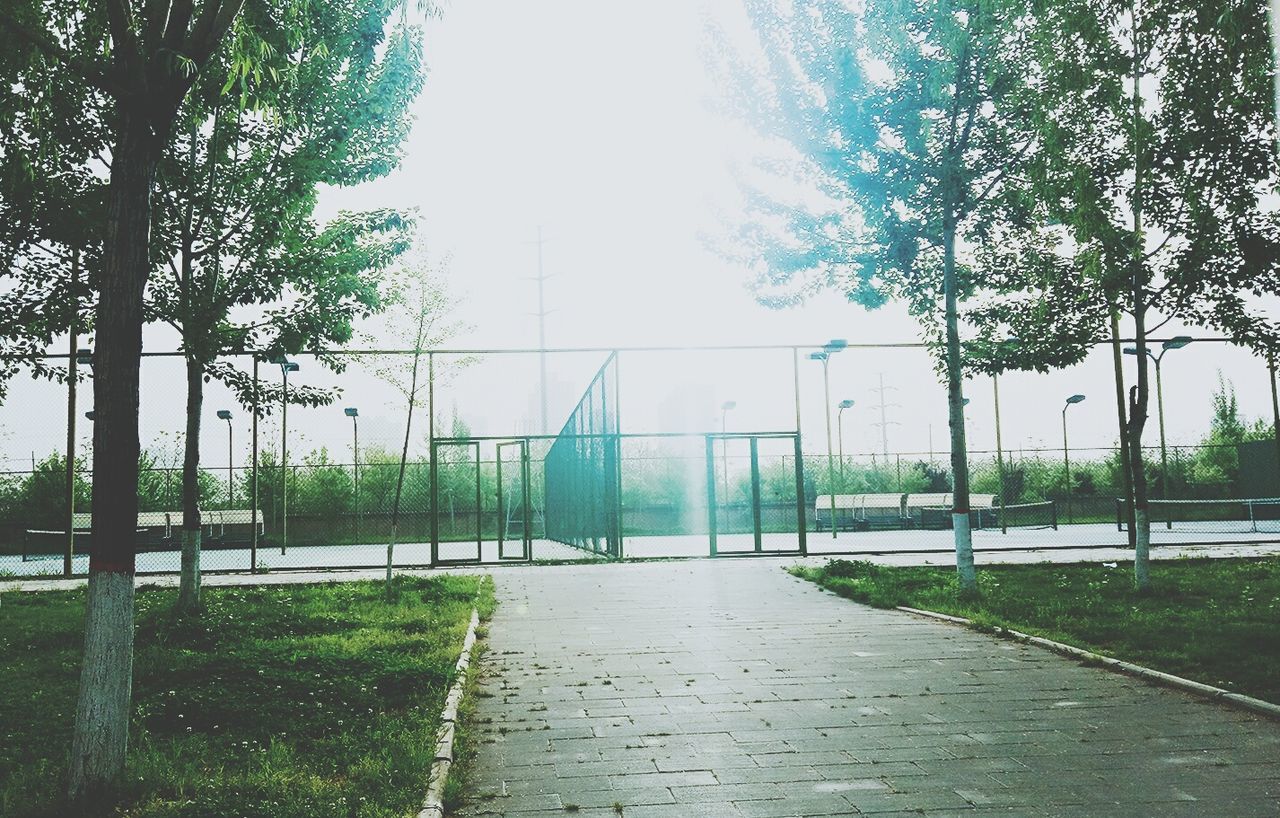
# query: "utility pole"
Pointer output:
{"type": "Point", "coordinates": [885, 423]}
{"type": "Point", "coordinates": [542, 313]}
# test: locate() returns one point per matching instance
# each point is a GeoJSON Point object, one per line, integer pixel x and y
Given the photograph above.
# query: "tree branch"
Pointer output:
{"type": "Point", "coordinates": [176, 27]}
{"type": "Point", "coordinates": [88, 70]}
{"type": "Point", "coordinates": [126, 40]}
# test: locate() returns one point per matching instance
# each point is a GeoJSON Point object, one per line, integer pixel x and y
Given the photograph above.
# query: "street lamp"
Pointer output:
{"type": "Point", "coordinates": [225, 414]}
{"type": "Point", "coordinates": [843, 405]}
{"type": "Point", "coordinates": [82, 357]}
{"type": "Point", "coordinates": [1177, 342]}
{"type": "Point", "coordinates": [354, 413]}
{"type": "Point", "coordinates": [824, 355]}
{"type": "Point", "coordinates": [286, 366]}
{"type": "Point", "coordinates": [1066, 457]}
{"type": "Point", "coordinates": [724, 444]}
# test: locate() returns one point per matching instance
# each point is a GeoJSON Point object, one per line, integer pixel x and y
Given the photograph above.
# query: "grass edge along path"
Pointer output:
{"type": "Point", "coordinates": [281, 701]}
{"type": "Point", "coordinates": [1210, 621]}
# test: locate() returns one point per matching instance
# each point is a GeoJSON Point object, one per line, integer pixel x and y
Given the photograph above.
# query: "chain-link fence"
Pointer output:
{"type": "Point", "coordinates": [688, 467]}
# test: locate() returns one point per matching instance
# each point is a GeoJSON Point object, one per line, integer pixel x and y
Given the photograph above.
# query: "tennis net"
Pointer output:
{"type": "Point", "coordinates": [1259, 515]}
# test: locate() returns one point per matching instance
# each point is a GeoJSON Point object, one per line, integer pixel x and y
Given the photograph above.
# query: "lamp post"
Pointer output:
{"type": "Point", "coordinates": [843, 405]}
{"type": "Point", "coordinates": [1066, 457]}
{"type": "Point", "coordinates": [82, 357]}
{"type": "Point", "coordinates": [225, 414]}
{"type": "Point", "coordinates": [1177, 342]}
{"type": "Point", "coordinates": [354, 413]}
{"type": "Point", "coordinates": [286, 366]}
{"type": "Point", "coordinates": [724, 444]}
{"type": "Point", "coordinates": [824, 355]}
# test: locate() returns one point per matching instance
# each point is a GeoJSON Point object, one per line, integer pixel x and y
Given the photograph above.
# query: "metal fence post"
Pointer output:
{"type": "Point", "coordinates": [802, 522]}
{"type": "Point", "coordinates": [711, 492]}
{"type": "Point", "coordinates": [253, 514]}
{"type": "Point", "coordinates": [755, 493]}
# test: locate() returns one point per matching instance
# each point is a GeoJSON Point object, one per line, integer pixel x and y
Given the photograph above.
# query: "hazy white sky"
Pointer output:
{"type": "Point", "coordinates": [592, 121]}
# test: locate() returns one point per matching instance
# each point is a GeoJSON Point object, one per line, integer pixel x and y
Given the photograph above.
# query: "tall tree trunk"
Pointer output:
{"type": "Point", "coordinates": [1126, 467]}
{"type": "Point", "coordinates": [1139, 394]}
{"type": "Point", "coordinates": [955, 414]}
{"type": "Point", "coordinates": [102, 708]}
{"type": "Point", "coordinates": [404, 454]}
{"type": "Point", "coordinates": [189, 584]}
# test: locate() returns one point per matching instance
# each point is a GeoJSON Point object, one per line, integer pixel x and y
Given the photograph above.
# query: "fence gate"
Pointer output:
{"type": "Point", "coordinates": [515, 511]}
{"type": "Point", "coordinates": [455, 500]}
{"type": "Point", "coordinates": [755, 494]}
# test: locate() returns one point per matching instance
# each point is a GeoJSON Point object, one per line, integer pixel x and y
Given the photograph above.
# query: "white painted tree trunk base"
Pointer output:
{"type": "Point", "coordinates": [964, 550]}
{"type": "Point", "coordinates": [1142, 548]}
{"type": "Point", "coordinates": [106, 685]}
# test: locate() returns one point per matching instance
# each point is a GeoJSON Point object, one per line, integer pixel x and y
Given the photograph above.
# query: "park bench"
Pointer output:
{"type": "Point", "coordinates": [859, 512]}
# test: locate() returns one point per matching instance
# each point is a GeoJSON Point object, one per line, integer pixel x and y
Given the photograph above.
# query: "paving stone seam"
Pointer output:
{"type": "Point", "coordinates": [1238, 700]}
{"type": "Point", "coordinates": [433, 802]}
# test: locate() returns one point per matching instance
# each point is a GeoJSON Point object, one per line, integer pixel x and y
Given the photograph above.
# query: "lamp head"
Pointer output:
{"type": "Point", "coordinates": [290, 367]}
{"type": "Point", "coordinates": [729, 404]}
{"type": "Point", "coordinates": [1130, 350]}
{"type": "Point", "coordinates": [90, 415]}
{"type": "Point", "coordinates": [818, 356]}
{"type": "Point", "coordinates": [1074, 399]}
{"type": "Point", "coordinates": [846, 404]}
{"type": "Point", "coordinates": [278, 359]}
{"type": "Point", "coordinates": [1177, 342]}
{"type": "Point", "coordinates": [351, 412]}
{"type": "Point", "coordinates": [224, 414]}
{"type": "Point", "coordinates": [835, 345]}
{"type": "Point", "coordinates": [84, 356]}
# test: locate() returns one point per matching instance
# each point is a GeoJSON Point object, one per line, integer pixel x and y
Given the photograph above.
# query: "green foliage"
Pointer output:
{"type": "Point", "coordinates": [1210, 620]}
{"type": "Point", "coordinates": [304, 700]}
{"type": "Point", "coordinates": [38, 500]}
{"type": "Point", "coordinates": [1217, 460]}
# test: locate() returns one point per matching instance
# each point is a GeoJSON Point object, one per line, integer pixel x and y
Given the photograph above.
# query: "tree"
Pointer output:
{"type": "Point", "coordinates": [906, 124]}
{"type": "Point", "coordinates": [135, 63]}
{"type": "Point", "coordinates": [1154, 167]}
{"type": "Point", "coordinates": [418, 319]}
{"type": "Point", "coordinates": [239, 263]}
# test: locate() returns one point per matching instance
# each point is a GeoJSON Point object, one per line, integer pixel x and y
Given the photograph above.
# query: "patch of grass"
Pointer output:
{"type": "Point", "coordinates": [303, 700]}
{"type": "Point", "coordinates": [1211, 620]}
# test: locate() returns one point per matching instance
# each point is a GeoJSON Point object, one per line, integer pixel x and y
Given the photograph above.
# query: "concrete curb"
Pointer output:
{"type": "Point", "coordinates": [433, 804]}
{"type": "Point", "coordinates": [1155, 676]}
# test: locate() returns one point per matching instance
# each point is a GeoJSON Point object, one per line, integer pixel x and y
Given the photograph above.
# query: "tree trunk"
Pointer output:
{"type": "Point", "coordinates": [1126, 467]}
{"type": "Point", "coordinates": [404, 454]}
{"type": "Point", "coordinates": [1140, 394]}
{"type": "Point", "coordinates": [955, 414]}
{"type": "Point", "coordinates": [102, 708]}
{"type": "Point", "coordinates": [189, 584]}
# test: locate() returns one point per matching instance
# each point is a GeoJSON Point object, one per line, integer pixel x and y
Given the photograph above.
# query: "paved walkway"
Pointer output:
{"type": "Point", "coordinates": [732, 689]}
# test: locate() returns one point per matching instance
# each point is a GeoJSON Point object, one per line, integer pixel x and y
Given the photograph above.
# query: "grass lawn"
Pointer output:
{"type": "Point", "coordinates": [303, 700]}
{"type": "Point", "coordinates": [1214, 621]}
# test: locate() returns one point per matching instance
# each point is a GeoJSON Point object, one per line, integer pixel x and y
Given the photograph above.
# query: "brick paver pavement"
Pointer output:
{"type": "Point", "coordinates": [733, 689]}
